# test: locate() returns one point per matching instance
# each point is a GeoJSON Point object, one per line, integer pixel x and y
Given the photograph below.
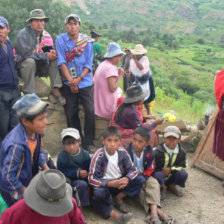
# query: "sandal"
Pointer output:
{"type": "Point", "coordinates": [61, 99]}
{"type": "Point", "coordinates": [124, 218]}
{"type": "Point", "coordinates": [122, 207]}
{"type": "Point", "coordinates": [155, 220]}
{"type": "Point", "coordinates": [169, 220]}
{"type": "Point", "coordinates": [177, 192]}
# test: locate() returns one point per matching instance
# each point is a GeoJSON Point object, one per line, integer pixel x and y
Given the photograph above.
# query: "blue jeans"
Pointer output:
{"type": "Point", "coordinates": [8, 118]}
{"type": "Point", "coordinates": [102, 202]}
{"type": "Point", "coordinates": [178, 178]}
{"type": "Point", "coordinates": [85, 95]}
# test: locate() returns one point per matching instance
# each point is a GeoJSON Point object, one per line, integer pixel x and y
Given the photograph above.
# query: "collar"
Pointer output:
{"type": "Point", "coordinates": [171, 151]}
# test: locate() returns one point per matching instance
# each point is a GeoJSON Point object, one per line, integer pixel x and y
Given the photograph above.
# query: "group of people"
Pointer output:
{"type": "Point", "coordinates": [126, 165]}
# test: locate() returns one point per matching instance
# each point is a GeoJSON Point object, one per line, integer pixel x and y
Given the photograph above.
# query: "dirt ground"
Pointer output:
{"type": "Point", "coordinates": [202, 202]}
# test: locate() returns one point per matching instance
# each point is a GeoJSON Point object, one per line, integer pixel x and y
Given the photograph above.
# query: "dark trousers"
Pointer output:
{"type": "Point", "coordinates": [82, 187]}
{"type": "Point", "coordinates": [85, 95]}
{"type": "Point", "coordinates": [178, 178]}
{"type": "Point", "coordinates": [8, 117]}
{"type": "Point", "coordinates": [102, 201]}
{"type": "Point", "coordinates": [8, 198]}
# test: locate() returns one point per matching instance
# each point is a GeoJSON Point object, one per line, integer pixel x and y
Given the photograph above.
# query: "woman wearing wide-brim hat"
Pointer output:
{"type": "Point", "coordinates": [141, 73]}
{"type": "Point", "coordinates": [127, 117]}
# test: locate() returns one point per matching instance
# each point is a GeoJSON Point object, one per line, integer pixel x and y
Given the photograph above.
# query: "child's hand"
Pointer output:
{"type": "Point", "coordinates": [160, 120]}
{"type": "Point", "coordinates": [123, 182]}
{"type": "Point", "coordinates": [83, 174]}
{"type": "Point", "coordinates": [166, 171]}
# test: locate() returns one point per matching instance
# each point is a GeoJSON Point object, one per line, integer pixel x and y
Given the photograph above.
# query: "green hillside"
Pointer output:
{"type": "Point", "coordinates": [200, 17]}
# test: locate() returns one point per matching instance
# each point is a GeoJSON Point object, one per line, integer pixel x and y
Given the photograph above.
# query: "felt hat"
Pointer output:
{"type": "Point", "coordinates": [135, 93]}
{"type": "Point", "coordinates": [113, 49]}
{"type": "Point", "coordinates": [128, 48]}
{"type": "Point", "coordinates": [95, 33]}
{"type": "Point", "coordinates": [72, 16]}
{"type": "Point", "coordinates": [172, 131]}
{"type": "Point", "coordinates": [3, 22]}
{"type": "Point", "coordinates": [29, 105]}
{"type": "Point", "coordinates": [139, 50]}
{"type": "Point", "coordinates": [70, 132]}
{"type": "Point", "coordinates": [48, 194]}
{"type": "Point", "coordinates": [37, 14]}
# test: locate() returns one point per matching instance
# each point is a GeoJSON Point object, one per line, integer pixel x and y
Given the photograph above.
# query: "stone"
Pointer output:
{"type": "Point", "coordinates": [182, 125]}
{"type": "Point", "coordinates": [42, 89]}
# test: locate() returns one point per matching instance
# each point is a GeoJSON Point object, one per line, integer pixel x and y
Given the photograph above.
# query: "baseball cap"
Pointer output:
{"type": "Point", "coordinates": [72, 16]}
{"type": "Point", "coordinates": [3, 22]}
{"type": "Point", "coordinates": [172, 131]}
{"type": "Point", "coordinates": [29, 105]}
{"type": "Point", "coordinates": [70, 132]}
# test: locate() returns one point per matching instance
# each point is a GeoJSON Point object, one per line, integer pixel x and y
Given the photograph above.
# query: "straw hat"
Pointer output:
{"type": "Point", "coordinates": [139, 49]}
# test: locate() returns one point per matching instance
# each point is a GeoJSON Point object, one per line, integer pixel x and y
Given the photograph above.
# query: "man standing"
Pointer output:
{"type": "Point", "coordinates": [20, 155]}
{"type": "Point", "coordinates": [97, 49]}
{"type": "Point", "coordinates": [125, 66]}
{"type": "Point", "coordinates": [75, 57]}
{"type": "Point", "coordinates": [9, 93]}
{"type": "Point", "coordinates": [35, 54]}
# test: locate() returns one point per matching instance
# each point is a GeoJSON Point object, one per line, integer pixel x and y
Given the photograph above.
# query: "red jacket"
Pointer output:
{"type": "Point", "coordinates": [20, 213]}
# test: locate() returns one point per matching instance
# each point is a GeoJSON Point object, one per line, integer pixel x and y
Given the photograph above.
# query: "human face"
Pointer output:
{"type": "Point", "coordinates": [37, 25]}
{"type": "Point", "coordinates": [72, 27]}
{"type": "Point", "coordinates": [116, 59]}
{"type": "Point", "coordinates": [72, 148]}
{"type": "Point", "coordinates": [38, 125]}
{"type": "Point", "coordinates": [111, 144]}
{"type": "Point", "coordinates": [139, 143]}
{"type": "Point", "coordinates": [171, 141]}
{"type": "Point", "coordinates": [3, 34]}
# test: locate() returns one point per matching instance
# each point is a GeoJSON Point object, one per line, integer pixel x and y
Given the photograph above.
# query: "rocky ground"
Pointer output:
{"type": "Point", "coordinates": [202, 202]}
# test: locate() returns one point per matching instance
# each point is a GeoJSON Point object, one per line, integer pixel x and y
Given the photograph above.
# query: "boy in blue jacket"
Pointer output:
{"type": "Point", "coordinates": [143, 157]}
{"type": "Point", "coordinates": [20, 155]}
{"type": "Point", "coordinates": [113, 172]}
{"type": "Point", "coordinates": [74, 162]}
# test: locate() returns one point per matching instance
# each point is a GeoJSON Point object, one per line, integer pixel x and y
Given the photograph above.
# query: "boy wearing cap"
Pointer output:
{"type": "Point", "coordinates": [107, 79]}
{"type": "Point", "coordinates": [75, 59]}
{"type": "Point", "coordinates": [9, 92]}
{"type": "Point", "coordinates": [74, 162]}
{"type": "Point", "coordinates": [47, 200]}
{"type": "Point", "coordinates": [35, 54]}
{"type": "Point", "coordinates": [20, 156]}
{"type": "Point", "coordinates": [171, 162]}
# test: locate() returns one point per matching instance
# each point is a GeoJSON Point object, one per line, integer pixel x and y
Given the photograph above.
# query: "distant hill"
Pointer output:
{"type": "Point", "coordinates": [201, 17]}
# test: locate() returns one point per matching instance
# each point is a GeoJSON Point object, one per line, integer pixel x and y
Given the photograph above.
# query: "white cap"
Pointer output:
{"type": "Point", "coordinates": [172, 131]}
{"type": "Point", "coordinates": [70, 132]}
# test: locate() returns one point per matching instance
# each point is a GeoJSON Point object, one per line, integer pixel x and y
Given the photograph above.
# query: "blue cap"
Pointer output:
{"type": "Point", "coordinates": [29, 105]}
{"type": "Point", "coordinates": [3, 22]}
{"type": "Point", "coordinates": [113, 49]}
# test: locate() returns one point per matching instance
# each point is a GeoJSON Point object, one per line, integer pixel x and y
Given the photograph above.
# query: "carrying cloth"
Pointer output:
{"type": "Point", "coordinates": [80, 47]}
{"type": "Point", "coordinates": [219, 90]}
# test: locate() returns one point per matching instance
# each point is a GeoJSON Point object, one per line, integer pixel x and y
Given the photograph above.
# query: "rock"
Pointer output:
{"type": "Point", "coordinates": [201, 124]}
{"type": "Point", "coordinates": [42, 89]}
{"type": "Point", "coordinates": [182, 125]}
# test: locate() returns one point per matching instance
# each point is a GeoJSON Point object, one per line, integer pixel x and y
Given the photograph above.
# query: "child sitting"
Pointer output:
{"type": "Point", "coordinates": [112, 172]}
{"type": "Point", "coordinates": [143, 157]}
{"type": "Point", "coordinates": [74, 162]}
{"type": "Point", "coordinates": [171, 162]}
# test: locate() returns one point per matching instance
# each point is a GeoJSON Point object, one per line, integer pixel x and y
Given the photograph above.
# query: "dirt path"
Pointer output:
{"type": "Point", "coordinates": [202, 203]}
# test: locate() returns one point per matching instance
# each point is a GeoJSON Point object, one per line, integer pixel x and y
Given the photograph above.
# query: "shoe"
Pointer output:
{"type": "Point", "coordinates": [124, 218]}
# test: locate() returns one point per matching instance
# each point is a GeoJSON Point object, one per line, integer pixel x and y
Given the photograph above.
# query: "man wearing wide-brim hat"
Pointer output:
{"type": "Point", "coordinates": [47, 199]}
{"type": "Point", "coordinates": [35, 55]}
